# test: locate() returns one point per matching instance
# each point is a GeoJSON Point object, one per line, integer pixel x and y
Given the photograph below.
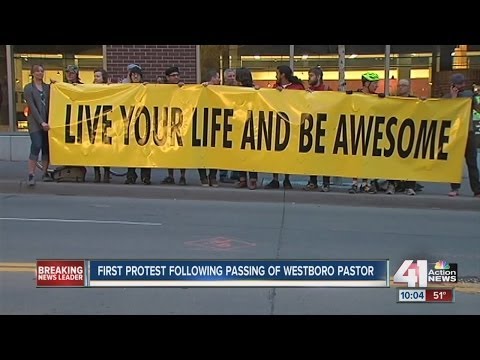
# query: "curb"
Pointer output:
{"type": "Point", "coordinates": [193, 192]}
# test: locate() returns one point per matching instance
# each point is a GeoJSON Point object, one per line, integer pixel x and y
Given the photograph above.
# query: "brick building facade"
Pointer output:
{"type": "Point", "coordinates": [154, 59]}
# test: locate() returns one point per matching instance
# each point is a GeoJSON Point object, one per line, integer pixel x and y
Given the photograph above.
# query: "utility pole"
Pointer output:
{"type": "Point", "coordinates": [342, 86]}
{"type": "Point", "coordinates": [386, 82]}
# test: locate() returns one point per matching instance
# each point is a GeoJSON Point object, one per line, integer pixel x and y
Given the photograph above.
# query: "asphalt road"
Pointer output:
{"type": "Point", "coordinates": [42, 226]}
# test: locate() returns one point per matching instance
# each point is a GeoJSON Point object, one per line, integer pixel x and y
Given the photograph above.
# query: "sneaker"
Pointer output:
{"type": "Point", "coordinates": [130, 180]}
{"type": "Point", "coordinates": [204, 182]}
{"type": "Point", "coordinates": [46, 178]}
{"type": "Point", "coordinates": [325, 188]}
{"type": "Point", "coordinates": [274, 184]}
{"type": "Point", "coordinates": [287, 185]}
{"type": "Point", "coordinates": [252, 184]}
{"type": "Point", "coordinates": [169, 180]}
{"type": "Point", "coordinates": [241, 184]}
{"type": "Point", "coordinates": [182, 181]}
{"type": "Point", "coordinates": [310, 186]}
{"type": "Point", "coordinates": [369, 189]}
{"type": "Point", "coordinates": [31, 180]}
{"type": "Point", "coordinates": [453, 193]}
{"type": "Point", "coordinates": [353, 189]}
{"type": "Point", "coordinates": [410, 192]}
{"type": "Point", "coordinates": [213, 182]}
{"type": "Point", "coordinates": [146, 181]}
{"type": "Point", "coordinates": [390, 189]}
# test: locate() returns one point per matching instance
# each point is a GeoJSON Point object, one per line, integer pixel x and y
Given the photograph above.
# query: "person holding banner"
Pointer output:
{"type": "Point", "coordinates": [136, 77]}
{"type": "Point", "coordinates": [172, 76]}
{"type": "Point", "coordinates": [404, 90]}
{"type": "Point", "coordinates": [73, 75]}
{"type": "Point", "coordinates": [285, 80]}
{"type": "Point", "coordinates": [212, 78]}
{"type": "Point", "coordinates": [129, 68]}
{"type": "Point", "coordinates": [229, 79]}
{"type": "Point", "coordinates": [369, 86]}
{"type": "Point", "coordinates": [458, 89]}
{"type": "Point", "coordinates": [100, 76]}
{"type": "Point", "coordinates": [37, 95]}
{"type": "Point", "coordinates": [244, 78]}
{"type": "Point", "coordinates": [315, 82]}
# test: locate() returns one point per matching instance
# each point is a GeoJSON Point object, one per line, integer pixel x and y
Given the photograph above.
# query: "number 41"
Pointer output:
{"type": "Point", "coordinates": [412, 270]}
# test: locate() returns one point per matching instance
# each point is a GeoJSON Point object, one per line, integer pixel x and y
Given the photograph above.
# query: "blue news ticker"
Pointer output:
{"type": "Point", "coordinates": [219, 270]}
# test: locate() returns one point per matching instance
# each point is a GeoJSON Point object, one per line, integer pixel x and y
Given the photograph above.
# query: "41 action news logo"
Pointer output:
{"type": "Point", "coordinates": [422, 273]}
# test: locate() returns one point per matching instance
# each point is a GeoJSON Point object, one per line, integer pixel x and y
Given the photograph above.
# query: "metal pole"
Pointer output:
{"type": "Point", "coordinates": [387, 70]}
{"type": "Point", "coordinates": [292, 54]}
{"type": "Point", "coordinates": [11, 90]}
{"type": "Point", "coordinates": [197, 64]}
{"type": "Point", "coordinates": [104, 53]}
{"type": "Point", "coordinates": [342, 85]}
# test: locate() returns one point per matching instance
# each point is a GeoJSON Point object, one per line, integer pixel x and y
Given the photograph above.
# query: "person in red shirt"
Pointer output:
{"type": "Point", "coordinates": [285, 80]}
{"type": "Point", "coordinates": [315, 82]}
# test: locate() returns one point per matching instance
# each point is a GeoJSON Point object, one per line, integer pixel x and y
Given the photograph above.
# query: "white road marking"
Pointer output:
{"type": "Point", "coordinates": [88, 221]}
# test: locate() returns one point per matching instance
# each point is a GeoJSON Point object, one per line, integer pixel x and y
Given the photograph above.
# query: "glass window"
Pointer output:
{"type": "Point", "coordinates": [3, 90]}
{"type": "Point", "coordinates": [55, 59]}
{"type": "Point", "coordinates": [262, 60]}
{"type": "Point", "coordinates": [412, 62]}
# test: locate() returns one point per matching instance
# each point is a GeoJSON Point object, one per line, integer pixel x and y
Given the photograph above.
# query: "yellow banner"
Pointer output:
{"type": "Point", "coordinates": [235, 128]}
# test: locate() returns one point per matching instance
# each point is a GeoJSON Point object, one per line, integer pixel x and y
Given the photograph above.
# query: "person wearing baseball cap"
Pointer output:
{"type": "Point", "coordinates": [72, 73]}
{"type": "Point", "coordinates": [458, 89]}
{"type": "Point", "coordinates": [172, 76]}
{"type": "Point", "coordinates": [129, 70]}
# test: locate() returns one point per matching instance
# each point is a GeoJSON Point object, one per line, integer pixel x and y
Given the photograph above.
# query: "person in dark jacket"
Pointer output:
{"type": "Point", "coordinates": [458, 89]}
{"type": "Point", "coordinates": [37, 96]}
{"type": "Point", "coordinates": [285, 80]}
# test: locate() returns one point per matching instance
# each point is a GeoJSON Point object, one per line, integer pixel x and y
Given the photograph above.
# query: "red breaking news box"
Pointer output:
{"type": "Point", "coordinates": [58, 273]}
{"type": "Point", "coordinates": [439, 295]}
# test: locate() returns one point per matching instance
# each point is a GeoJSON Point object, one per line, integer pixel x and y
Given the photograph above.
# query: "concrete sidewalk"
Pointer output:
{"type": "Point", "coordinates": [434, 195]}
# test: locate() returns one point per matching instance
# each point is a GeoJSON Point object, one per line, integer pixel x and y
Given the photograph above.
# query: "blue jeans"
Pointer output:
{"type": "Point", "coordinates": [39, 142]}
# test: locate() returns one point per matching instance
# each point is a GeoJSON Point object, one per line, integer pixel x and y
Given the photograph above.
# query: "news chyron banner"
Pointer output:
{"type": "Point", "coordinates": [212, 273]}
{"type": "Point", "coordinates": [266, 130]}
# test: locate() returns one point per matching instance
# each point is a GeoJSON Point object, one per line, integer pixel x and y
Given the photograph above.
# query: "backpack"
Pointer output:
{"type": "Point", "coordinates": [69, 174]}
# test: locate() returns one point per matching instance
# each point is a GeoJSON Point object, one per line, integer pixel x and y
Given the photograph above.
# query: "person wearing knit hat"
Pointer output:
{"type": "Point", "coordinates": [135, 68]}
{"type": "Point", "coordinates": [129, 69]}
{"type": "Point", "coordinates": [172, 71]}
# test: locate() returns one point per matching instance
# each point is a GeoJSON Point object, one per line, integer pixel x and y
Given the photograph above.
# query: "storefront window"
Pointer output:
{"type": "Point", "coordinates": [411, 62]}
{"type": "Point", "coordinates": [262, 60]}
{"type": "Point", "coordinates": [55, 59]}
{"type": "Point", "coordinates": [3, 90]}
